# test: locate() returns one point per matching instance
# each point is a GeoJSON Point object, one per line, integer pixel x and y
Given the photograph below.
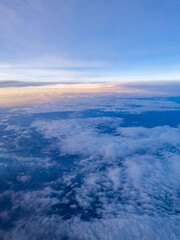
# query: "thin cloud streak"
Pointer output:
{"type": "Point", "coordinates": [81, 72]}
{"type": "Point", "coordinates": [15, 84]}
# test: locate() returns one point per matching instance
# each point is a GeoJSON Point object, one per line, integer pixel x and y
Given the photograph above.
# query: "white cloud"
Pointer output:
{"type": "Point", "coordinates": [122, 183]}
{"type": "Point", "coordinates": [135, 161]}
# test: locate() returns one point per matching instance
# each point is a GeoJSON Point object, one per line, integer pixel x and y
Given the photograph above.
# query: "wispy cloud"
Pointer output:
{"type": "Point", "coordinates": [9, 84]}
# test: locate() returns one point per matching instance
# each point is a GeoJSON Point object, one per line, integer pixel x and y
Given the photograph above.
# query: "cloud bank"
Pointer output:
{"type": "Point", "coordinates": [83, 175]}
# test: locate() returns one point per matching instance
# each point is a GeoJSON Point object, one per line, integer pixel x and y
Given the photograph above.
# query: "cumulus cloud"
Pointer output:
{"type": "Point", "coordinates": [128, 165]}
{"type": "Point", "coordinates": [112, 181]}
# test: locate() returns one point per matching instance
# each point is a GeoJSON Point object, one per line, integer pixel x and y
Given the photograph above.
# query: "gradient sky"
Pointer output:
{"type": "Point", "coordinates": [89, 40]}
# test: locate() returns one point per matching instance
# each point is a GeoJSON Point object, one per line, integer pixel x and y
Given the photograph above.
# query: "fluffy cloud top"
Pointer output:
{"type": "Point", "coordinates": [90, 177]}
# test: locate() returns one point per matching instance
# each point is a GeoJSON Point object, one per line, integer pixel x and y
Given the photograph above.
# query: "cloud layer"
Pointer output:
{"type": "Point", "coordinates": [85, 175]}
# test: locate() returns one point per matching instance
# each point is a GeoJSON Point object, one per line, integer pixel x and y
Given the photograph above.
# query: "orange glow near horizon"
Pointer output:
{"type": "Point", "coordinates": [18, 96]}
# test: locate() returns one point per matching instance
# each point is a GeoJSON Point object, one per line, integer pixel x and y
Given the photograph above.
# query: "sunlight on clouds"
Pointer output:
{"type": "Point", "coordinates": [28, 95]}
{"type": "Point", "coordinates": [14, 93]}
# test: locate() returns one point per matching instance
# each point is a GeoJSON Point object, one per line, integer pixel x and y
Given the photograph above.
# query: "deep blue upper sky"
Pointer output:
{"type": "Point", "coordinates": [83, 40]}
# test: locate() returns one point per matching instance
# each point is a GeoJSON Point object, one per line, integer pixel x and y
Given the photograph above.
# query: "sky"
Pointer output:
{"type": "Point", "coordinates": [89, 41]}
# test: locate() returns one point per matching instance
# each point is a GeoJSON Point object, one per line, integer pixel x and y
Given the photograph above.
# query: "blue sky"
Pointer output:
{"type": "Point", "coordinates": [83, 40]}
